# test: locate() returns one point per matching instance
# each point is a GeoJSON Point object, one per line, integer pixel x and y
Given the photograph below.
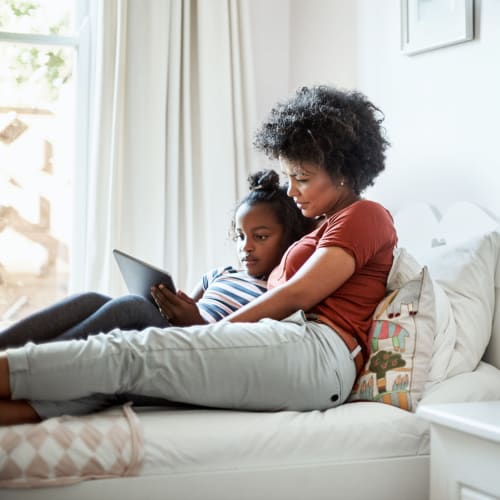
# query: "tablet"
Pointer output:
{"type": "Point", "coordinates": [139, 276]}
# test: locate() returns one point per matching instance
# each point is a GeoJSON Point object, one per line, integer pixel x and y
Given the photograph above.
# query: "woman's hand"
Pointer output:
{"type": "Point", "coordinates": [177, 308]}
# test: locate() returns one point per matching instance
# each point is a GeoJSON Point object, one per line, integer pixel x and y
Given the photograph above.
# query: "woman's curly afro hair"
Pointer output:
{"type": "Point", "coordinates": [338, 130]}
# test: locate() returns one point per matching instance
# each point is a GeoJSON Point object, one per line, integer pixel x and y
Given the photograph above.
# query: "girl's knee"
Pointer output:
{"type": "Point", "coordinates": [134, 307]}
{"type": "Point", "coordinates": [93, 299]}
{"type": "Point", "coordinates": [133, 300]}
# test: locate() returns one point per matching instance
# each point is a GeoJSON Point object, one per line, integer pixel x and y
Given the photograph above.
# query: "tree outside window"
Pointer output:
{"type": "Point", "coordinates": [38, 54]}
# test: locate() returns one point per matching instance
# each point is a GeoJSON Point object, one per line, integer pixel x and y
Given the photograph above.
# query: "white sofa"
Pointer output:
{"type": "Point", "coordinates": [358, 450]}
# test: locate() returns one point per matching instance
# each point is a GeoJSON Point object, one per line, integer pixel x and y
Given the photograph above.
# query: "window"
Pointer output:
{"type": "Point", "coordinates": [44, 49]}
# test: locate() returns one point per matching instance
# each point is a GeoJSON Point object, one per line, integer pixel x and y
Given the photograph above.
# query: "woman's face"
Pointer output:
{"type": "Point", "coordinates": [313, 190]}
{"type": "Point", "coordinates": [259, 238]}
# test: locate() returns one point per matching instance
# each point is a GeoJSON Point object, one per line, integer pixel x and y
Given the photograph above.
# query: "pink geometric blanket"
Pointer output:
{"type": "Point", "coordinates": [67, 450]}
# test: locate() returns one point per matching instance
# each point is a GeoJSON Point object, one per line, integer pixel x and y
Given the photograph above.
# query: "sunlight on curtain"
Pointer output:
{"type": "Point", "coordinates": [171, 136]}
{"type": "Point", "coordinates": [210, 110]}
{"type": "Point", "coordinates": [101, 193]}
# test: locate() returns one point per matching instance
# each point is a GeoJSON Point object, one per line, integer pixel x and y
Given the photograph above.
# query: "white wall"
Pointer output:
{"type": "Point", "coordinates": [441, 107]}
{"type": "Point", "coordinates": [270, 33]}
{"type": "Point", "coordinates": [323, 43]}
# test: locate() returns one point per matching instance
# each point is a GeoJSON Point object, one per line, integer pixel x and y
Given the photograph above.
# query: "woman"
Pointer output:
{"type": "Point", "coordinates": [296, 347]}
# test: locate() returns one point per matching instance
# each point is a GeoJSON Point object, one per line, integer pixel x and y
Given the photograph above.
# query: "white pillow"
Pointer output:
{"type": "Point", "coordinates": [445, 335]}
{"type": "Point", "coordinates": [466, 273]}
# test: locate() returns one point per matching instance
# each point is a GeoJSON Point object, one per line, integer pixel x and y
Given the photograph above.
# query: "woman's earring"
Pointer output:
{"type": "Point", "coordinates": [342, 183]}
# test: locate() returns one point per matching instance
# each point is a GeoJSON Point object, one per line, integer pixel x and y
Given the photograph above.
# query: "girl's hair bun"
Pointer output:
{"type": "Point", "coordinates": [265, 180]}
{"type": "Point", "coordinates": [265, 188]}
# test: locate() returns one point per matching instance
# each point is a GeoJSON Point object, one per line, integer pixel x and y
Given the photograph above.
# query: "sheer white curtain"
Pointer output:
{"type": "Point", "coordinates": [171, 136]}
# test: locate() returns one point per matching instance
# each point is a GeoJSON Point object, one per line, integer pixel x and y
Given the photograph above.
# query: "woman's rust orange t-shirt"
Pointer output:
{"type": "Point", "coordinates": [366, 230]}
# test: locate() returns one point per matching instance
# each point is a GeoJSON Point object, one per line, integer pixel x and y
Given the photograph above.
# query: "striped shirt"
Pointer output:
{"type": "Point", "coordinates": [226, 290]}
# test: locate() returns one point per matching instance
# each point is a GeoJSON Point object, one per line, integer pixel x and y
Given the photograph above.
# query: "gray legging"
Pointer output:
{"type": "Point", "coordinates": [81, 315]}
{"type": "Point", "coordinates": [292, 364]}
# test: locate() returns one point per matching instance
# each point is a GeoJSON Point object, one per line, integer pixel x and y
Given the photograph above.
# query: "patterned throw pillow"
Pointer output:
{"type": "Point", "coordinates": [67, 450]}
{"type": "Point", "coordinates": [401, 344]}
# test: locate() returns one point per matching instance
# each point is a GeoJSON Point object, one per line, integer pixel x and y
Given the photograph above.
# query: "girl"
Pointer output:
{"type": "Point", "coordinates": [264, 224]}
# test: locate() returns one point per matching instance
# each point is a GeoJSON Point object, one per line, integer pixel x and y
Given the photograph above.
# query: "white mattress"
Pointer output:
{"type": "Point", "coordinates": [203, 440]}
{"type": "Point", "coordinates": [210, 440]}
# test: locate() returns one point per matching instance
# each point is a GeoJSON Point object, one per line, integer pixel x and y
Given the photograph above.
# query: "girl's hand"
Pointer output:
{"type": "Point", "coordinates": [177, 308]}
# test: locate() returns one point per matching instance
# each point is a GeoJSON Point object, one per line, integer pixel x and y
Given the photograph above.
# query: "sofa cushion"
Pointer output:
{"type": "Point", "coordinates": [466, 272]}
{"type": "Point", "coordinates": [205, 440]}
{"type": "Point", "coordinates": [401, 344]}
{"type": "Point", "coordinates": [183, 440]}
{"type": "Point", "coordinates": [483, 384]}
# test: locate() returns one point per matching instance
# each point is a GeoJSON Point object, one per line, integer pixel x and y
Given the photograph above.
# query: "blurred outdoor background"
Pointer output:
{"type": "Point", "coordinates": [37, 59]}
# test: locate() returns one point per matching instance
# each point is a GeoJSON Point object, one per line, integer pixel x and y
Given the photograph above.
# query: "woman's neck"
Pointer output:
{"type": "Point", "coordinates": [343, 203]}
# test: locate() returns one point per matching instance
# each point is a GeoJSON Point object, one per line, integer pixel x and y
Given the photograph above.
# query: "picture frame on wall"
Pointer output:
{"type": "Point", "coordinates": [432, 24]}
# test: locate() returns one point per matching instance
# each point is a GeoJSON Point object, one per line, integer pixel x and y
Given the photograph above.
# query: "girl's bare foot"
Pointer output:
{"type": "Point", "coordinates": [17, 412]}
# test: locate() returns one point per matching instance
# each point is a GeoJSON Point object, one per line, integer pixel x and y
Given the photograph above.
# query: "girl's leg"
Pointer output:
{"type": "Point", "coordinates": [130, 312]}
{"type": "Point", "coordinates": [271, 365]}
{"type": "Point", "coordinates": [50, 322]}
{"type": "Point", "coordinates": [81, 315]}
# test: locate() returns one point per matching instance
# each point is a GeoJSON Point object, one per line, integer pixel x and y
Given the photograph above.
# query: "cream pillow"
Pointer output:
{"type": "Point", "coordinates": [466, 272]}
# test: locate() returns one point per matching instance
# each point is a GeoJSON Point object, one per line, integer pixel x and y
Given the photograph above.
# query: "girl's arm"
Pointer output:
{"type": "Point", "coordinates": [181, 309]}
{"type": "Point", "coordinates": [325, 271]}
{"type": "Point", "coordinates": [197, 292]}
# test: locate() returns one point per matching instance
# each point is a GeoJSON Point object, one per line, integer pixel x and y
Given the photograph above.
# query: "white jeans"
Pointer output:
{"type": "Point", "coordinates": [293, 364]}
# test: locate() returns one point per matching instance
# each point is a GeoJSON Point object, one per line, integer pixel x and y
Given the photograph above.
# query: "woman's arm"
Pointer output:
{"type": "Point", "coordinates": [325, 271]}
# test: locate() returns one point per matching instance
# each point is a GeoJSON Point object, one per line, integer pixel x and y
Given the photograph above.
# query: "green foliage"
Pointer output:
{"type": "Point", "coordinates": [22, 8]}
{"type": "Point", "coordinates": [34, 69]}
{"type": "Point", "coordinates": [56, 67]}
{"type": "Point", "coordinates": [16, 8]}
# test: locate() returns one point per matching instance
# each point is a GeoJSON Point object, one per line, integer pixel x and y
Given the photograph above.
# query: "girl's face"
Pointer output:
{"type": "Point", "coordinates": [259, 239]}
{"type": "Point", "coordinates": [313, 190]}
